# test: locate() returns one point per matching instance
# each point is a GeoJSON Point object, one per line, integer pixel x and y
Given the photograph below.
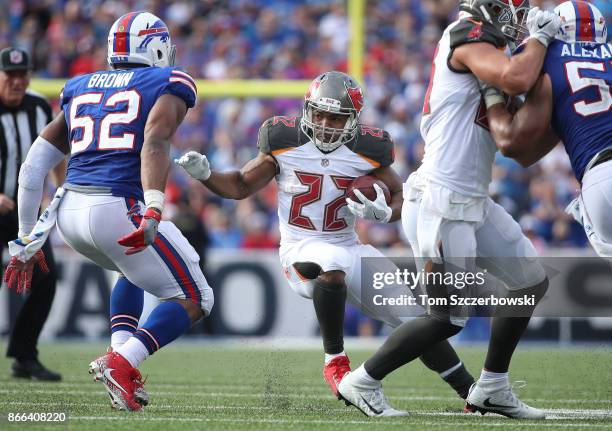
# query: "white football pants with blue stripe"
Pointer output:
{"type": "Point", "coordinates": [168, 269]}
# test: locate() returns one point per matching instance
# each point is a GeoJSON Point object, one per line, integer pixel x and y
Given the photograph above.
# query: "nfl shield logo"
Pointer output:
{"type": "Point", "coordinates": [16, 57]}
{"type": "Point", "coordinates": [325, 162]}
{"type": "Point", "coordinates": [506, 16]}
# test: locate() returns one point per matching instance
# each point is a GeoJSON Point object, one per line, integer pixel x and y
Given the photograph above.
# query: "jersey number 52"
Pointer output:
{"type": "Point", "coordinates": [87, 124]}
{"type": "Point", "coordinates": [578, 82]}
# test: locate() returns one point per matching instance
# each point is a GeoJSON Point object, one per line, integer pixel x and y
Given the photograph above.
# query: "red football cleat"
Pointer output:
{"type": "Point", "coordinates": [140, 395]}
{"type": "Point", "coordinates": [334, 371]}
{"type": "Point", "coordinates": [122, 381]}
{"type": "Point", "coordinates": [469, 408]}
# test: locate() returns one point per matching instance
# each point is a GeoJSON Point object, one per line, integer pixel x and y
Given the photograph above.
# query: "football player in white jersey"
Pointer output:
{"type": "Point", "coordinates": [447, 212]}
{"type": "Point", "coordinates": [314, 159]}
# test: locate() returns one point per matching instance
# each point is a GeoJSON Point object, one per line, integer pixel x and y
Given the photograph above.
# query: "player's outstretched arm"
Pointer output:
{"type": "Point", "coordinates": [525, 136]}
{"type": "Point", "coordinates": [394, 183]}
{"type": "Point", "coordinates": [254, 176]}
{"type": "Point", "coordinates": [513, 75]}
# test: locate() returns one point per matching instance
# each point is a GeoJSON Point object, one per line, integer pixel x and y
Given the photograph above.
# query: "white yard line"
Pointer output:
{"type": "Point", "coordinates": [318, 389]}
{"type": "Point", "coordinates": [280, 394]}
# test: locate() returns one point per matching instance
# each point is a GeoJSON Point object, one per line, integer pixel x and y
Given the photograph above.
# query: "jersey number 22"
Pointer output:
{"type": "Point", "coordinates": [331, 221]}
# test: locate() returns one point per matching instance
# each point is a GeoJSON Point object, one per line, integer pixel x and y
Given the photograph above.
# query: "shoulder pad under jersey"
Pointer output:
{"type": "Point", "coordinates": [471, 30]}
{"type": "Point", "coordinates": [278, 134]}
{"type": "Point", "coordinates": [373, 144]}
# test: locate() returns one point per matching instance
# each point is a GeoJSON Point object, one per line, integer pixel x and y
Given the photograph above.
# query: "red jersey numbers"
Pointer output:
{"type": "Point", "coordinates": [331, 221]}
{"type": "Point", "coordinates": [287, 121]}
{"type": "Point", "coordinates": [313, 194]}
{"type": "Point", "coordinates": [372, 131]}
{"type": "Point", "coordinates": [481, 115]}
{"type": "Point", "coordinates": [426, 105]}
{"type": "Point", "coordinates": [476, 31]}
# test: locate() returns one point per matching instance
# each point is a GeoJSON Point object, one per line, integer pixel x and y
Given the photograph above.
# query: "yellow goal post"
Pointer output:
{"type": "Point", "coordinates": [211, 89]}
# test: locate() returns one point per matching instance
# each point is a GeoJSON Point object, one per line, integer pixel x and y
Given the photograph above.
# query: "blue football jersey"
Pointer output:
{"type": "Point", "coordinates": [581, 76]}
{"type": "Point", "coordinates": [106, 113]}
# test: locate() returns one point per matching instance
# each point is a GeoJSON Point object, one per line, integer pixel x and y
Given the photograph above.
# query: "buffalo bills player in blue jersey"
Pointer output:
{"type": "Point", "coordinates": [117, 125]}
{"type": "Point", "coordinates": [571, 102]}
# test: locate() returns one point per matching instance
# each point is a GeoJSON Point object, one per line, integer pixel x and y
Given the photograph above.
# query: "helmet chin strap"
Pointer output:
{"type": "Point", "coordinates": [513, 10]}
{"type": "Point", "coordinates": [327, 146]}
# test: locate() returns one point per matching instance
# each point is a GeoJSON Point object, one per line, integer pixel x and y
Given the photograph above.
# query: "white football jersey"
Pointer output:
{"type": "Point", "coordinates": [312, 185]}
{"type": "Point", "coordinates": [459, 150]}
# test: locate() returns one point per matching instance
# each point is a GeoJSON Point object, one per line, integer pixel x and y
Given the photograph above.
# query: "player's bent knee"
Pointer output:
{"type": "Point", "coordinates": [307, 270]}
{"type": "Point", "coordinates": [444, 321]}
{"type": "Point", "coordinates": [538, 290]}
{"type": "Point", "coordinates": [331, 278]}
{"type": "Point", "coordinates": [194, 311]}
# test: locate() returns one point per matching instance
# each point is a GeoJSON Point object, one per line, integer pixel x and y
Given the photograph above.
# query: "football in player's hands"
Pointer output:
{"type": "Point", "coordinates": [365, 185]}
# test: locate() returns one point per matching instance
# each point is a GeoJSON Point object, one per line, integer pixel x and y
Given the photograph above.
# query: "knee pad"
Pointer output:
{"type": "Point", "coordinates": [298, 283]}
{"type": "Point", "coordinates": [308, 270]}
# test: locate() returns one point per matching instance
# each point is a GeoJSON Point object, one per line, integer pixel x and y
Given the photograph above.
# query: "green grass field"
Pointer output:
{"type": "Point", "coordinates": [211, 387]}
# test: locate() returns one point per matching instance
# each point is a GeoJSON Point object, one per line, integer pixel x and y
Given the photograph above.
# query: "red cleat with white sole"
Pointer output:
{"type": "Point", "coordinates": [122, 381]}
{"type": "Point", "coordinates": [140, 395]}
{"type": "Point", "coordinates": [334, 371]}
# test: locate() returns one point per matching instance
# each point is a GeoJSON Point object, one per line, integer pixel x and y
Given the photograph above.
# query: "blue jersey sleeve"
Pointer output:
{"type": "Point", "coordinates": [182, 85]}
{"type": "Point", "coordinates": [66, 95]}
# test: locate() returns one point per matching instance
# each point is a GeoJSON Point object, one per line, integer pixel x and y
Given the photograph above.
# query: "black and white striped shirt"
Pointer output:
{"type": "Point", "coordinates": [18, 128]}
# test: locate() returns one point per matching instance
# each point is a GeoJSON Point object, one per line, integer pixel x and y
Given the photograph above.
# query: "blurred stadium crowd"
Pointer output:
{"type": "Point", "coordinates": [289, 39]}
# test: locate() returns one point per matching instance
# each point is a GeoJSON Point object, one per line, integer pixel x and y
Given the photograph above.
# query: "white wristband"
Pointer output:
{"type": "Point", "coordinates": [154, 199]}
{"type": "Point", "coordinates": [492, 99]}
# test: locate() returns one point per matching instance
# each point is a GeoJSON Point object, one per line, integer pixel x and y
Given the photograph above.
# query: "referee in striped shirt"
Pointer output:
{"type": "Point", "coordinates": [23, 114]}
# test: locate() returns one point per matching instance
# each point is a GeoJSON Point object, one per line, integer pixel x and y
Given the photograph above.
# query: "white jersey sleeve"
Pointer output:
{"type": "Point", "coordinates": [459, 150]}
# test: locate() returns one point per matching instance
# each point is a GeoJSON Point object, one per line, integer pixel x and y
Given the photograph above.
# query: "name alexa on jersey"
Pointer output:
{"type": "Point", "coordinates": [587, 51]}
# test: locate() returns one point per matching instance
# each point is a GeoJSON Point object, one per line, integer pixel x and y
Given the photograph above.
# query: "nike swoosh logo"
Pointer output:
{"type": "Point", "coordinates": [107, 374]}
{"type": "Point", "coordinates": [488, 403]}
{"type": "Point", "coordinates": [371, 408]}
{"type": "Point", "coordinates": [541, 26]}
{"type": "Point", "coordinates": [376, 217]}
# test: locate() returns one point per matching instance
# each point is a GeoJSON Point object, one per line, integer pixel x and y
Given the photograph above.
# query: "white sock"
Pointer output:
{"type": "Point", "coordinates": [489, 375]}
{"type": "Point", "coordinates": [330, 356]}
{"type": "Point", "coordinates": [363, 378]}
{"type": "Point", "coordinates": [134, 351]}
{"type": "Point", "coordinates": [118, 339]}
